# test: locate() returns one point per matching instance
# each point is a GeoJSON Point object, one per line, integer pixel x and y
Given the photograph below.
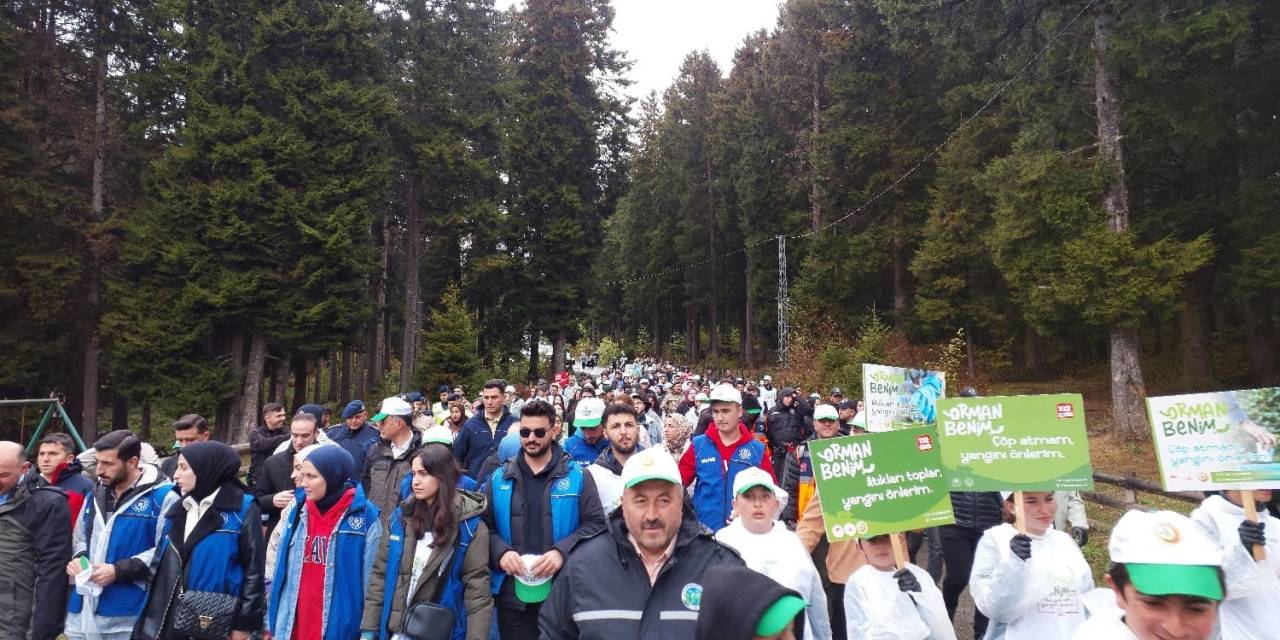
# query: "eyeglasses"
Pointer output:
{"type": "Point", "coordinates": [537, 433]}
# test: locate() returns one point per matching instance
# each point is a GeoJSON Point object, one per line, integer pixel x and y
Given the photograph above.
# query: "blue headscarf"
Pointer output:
{"type": "Point", "coordinates": [336, 467]}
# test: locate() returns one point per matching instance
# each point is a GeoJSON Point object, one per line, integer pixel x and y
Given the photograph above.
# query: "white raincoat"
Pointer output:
{"type": "Point", "coordinates": [875, 609]}
{"type": "Point", "coordinates": [780, 555]}
{"type": "Point", "coordinates": [1035, 599]}
{"type": "Point", "coordinates": [1252, 607]}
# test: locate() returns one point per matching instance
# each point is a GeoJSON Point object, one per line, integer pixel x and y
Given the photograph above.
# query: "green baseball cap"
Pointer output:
{"type": "Point", "coordinates": [779, 614]}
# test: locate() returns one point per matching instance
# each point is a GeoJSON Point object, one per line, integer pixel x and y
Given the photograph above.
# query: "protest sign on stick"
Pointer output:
{"type": "Point", "coordinates": [900, 397]}
{"type": "Point", "coordinates": [1217, 441]}
{"type": "Point", "coordinates": [879, 483]}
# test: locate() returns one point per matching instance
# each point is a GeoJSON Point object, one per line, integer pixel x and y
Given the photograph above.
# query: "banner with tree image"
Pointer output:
{"type": "Point", "coordinates": [1218, 440]}
{"type": "Point", "coordinates": [879, 483]}
{"type": "Point", "coordinates": [899, 397]}
{"type": "Point", "coordinates": [1015, 443]}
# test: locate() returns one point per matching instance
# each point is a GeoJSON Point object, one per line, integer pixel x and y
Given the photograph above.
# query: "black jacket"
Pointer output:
{"type": "Point", "coordinates": [606, 577]}
{"type": "Point", "coordinates": [977, 510]}
{"type": "Point", "coordinates": [383, 473]}
{"type": "Point", "coordinates": [35, 546]}
{"type": "Point", "coordinates": [786, 425]}
{"type": "Point", "coordinates": [274, 478]}
{"type": "Point", "coordinates": [791, 480]}
{"type": "Point", "coordinates": [156, 619]}
{"type": "Point", "coordinates": [262, 444]}
{"type": "Point", "coordinates": [590, 518]}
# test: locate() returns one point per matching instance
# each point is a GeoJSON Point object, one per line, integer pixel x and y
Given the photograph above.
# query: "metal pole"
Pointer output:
{"type": "Point", "coordinates": [782, 300]}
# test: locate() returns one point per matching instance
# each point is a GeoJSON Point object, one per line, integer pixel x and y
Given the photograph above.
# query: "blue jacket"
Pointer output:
{"type": "Point", "coordinates": [126, 538]}
{"type": "Point", "coordinates": [580, 450]}
{"type": "Point", "coordinates": [574, 514]}
{"type": "Point", "coordinates": [351, 550]}
{"type": "Point", "coordinates": [357, 443]}
{"type": "Point", "coordinates": [713, 484]}
{"type": "Point", "coordinates": [474, 443]}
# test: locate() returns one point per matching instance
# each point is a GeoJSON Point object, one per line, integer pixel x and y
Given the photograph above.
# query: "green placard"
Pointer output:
{"type": "Point", "coordinates": [880, 483]}
{"type": "Point", "coordinates": [1012, 443]}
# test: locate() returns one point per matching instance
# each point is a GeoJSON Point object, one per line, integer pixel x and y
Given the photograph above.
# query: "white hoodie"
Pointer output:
{"type": "Point", "coordinates": [1252, 607]}
{"type": "Point", "coordinates": [780, 555]}
{"type": "Point", "coordinates": [875, 609]}
{"type": "Point", "coordinates": [1035, 599]}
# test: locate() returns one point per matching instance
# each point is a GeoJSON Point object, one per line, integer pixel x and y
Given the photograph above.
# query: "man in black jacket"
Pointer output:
{"type": "Point", "coordinates": [653, 538]}
{"type": "Point", "coordinates": [265, 437]}
{"type": "Point", "coordinates": [540, 504]}
{"type": "Point", "coordinates": [274, 490]}
{"type": "Point", "coordinates": [786, 427]}
{"type": "Point", "coordinates": [35, 545]}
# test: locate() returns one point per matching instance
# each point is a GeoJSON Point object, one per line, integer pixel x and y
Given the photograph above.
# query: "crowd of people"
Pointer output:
{"type": "Point", "coordinates": [638, 500]}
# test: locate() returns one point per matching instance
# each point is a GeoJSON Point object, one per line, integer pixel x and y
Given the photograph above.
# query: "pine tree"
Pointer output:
{"type": "Point", "coordinates": [449, 353]}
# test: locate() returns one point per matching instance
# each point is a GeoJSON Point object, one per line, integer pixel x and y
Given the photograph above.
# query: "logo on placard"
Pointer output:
{"type": "Point", "coordinates": [1066, 410]}
{"type": "Point", "coordinates": [924, 443]}
{"type": "Point", "coordinates": [691, 596]}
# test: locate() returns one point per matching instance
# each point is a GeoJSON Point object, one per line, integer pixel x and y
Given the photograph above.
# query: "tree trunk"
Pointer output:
{"type": "Point", "coordinates": [280, 379]}
{"type": "Point", "coordinates": [1259, 332]}
{"type": "Point", "coordinates": [119, 413]}
{"type": "Point", "coordinates": [899, 257]}
{"type": "Point", "coordinates": [331, 392]}
{"type": "Point", "coordinates": [970, 367]}
{"type": "Point", "coordinates": [237, 399]}
{"type": "Point", "coordinates": [93, 282]}
{"type": "Point", "coordinates": [412, 309]}
{"type": "Point", "coordinates": [379, 338]}
{"type": "Point", "coordinates": [144, 429]}
{"type": "Point", "coordinates": [1128, 391]}
{"type": "Point", "coordinates": [533, 354]}
{"type": "Point", "coordinates": [299, 367]}
{"type": "Point", "coordinates": [748, 327]}
{"type": "Point", "coordinates": [557, 353]}
{"type": "Point", "coordinates": [1197, 356]}
{"type": "Point", "coordinates": [1035, 363]}
{"type": "Point", "coordinates": [815, 185]}
{"type": "Point", "coordinates": [344, 385]}
{"type": "Point", "coordinates": [251, 394]}
{"type": "Point", "coordinates": [714, 294]}
{"type": "Point", "coordinates": [317, 380]}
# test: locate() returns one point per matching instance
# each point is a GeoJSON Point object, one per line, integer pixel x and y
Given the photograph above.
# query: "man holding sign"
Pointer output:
{"type": "Point", "coordinates": [1252, 607]}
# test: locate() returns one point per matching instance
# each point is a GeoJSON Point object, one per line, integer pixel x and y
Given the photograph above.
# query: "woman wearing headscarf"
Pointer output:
{"type": "Point", "coordinates": [675, 434]}
{"type": "Point", "coordinates": [326, 553]}
{"type": "Point", "coordinates": [212, 544]}
{"type": "Point", "coordinates": [273, 540]}
{"type": "Point", "coordinates": [437, 551]}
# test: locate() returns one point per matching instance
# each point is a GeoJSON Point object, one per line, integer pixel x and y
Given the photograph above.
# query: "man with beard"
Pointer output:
{"type": "Point", "coordinates": [539, 505]}
{"type": "Point", "coordinates": [122, 520]}
{"type": "Point", "coordinates": [622, 428]}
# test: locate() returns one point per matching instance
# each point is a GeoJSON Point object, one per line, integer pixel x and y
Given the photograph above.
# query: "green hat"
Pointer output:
{"type": "Point", "coordinates": [781, 612]}
{"type": "Point", "coordinates": [1176, 579]}
{"type": "Point", "coordinates": [531, 590]}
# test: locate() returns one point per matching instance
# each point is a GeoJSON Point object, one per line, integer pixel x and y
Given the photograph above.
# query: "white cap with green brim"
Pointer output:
{"type": "Point", "coordinates": [1166, 554]}
{"type": "Point", "coordinates": [531, 590]}
{"type": "Point", "coordinates": [587, 414]}
{"type": "Point", "coordinates": [654, 463]}
{"type": "Point", "coordinates": [753, 477]}
{"type": "Point", "coordinates": [393, 406]}
{"type": "Point", "coordinates": [825, 412]}
{"type": "Point", "coordinates": [438, 434]}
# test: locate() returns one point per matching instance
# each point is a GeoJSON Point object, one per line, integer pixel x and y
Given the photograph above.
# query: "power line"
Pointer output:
{"type": "Point", "coordinates": [893, 185]}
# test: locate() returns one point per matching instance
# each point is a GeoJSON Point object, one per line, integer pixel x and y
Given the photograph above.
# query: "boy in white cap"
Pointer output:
{"type": "Point", "coordinates": [716, 457]}
{"type": "Point", "coordinates": [1252, 607]}
{"type": "Point", "coordinates": [770, 548]}
{"type": "Point", "coordinates": [887, 604]}
{"type": "Point", "coordinates": [1167, 581]}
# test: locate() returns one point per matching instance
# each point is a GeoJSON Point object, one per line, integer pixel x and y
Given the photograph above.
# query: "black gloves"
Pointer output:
{"type": "Point", "coordinates": [907, 581]}
{"type": "Point", "coordinates": [1021, 546]}
{"type": "Point", "coordinates": [1251, 534]}
{"type": "Point", "coordinates": [1081, 536]}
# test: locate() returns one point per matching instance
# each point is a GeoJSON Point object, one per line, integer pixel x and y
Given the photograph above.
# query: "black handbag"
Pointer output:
{"type": "Point", "coordinates": [205, 615]}
{"type": "Point", "coordinates": [428, 620]}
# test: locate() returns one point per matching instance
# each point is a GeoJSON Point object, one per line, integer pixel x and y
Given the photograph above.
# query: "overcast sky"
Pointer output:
{"type": "Point", "coordinates": [657, 34]}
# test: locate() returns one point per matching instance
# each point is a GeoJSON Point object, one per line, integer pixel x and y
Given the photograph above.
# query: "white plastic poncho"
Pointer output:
{"type": "Point", "coordinates": [1106, 619]}
{"type": "Point", "coordinates": [875, 609]}
{"type": "Point", "coordinates": [1035, 599]}
{"type": "Point", "coordinates": [1252, 607]}
{"type": "Point", "coordinates": [780, 555]}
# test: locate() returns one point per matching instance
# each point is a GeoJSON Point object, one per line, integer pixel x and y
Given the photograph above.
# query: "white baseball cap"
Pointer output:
{"type": "Point", "coordinates": [653, 463]}
{"type": "Point", "coordinates": [768, 378]}
{"type": "Point", "coordinates": [753, 477]}
{"type": "Point", "coordinates": [393, 406]}
{"type": "Point", "coordinates": [438, 433]}
{"type": "Point", "coordinates": [1166, 554]}
{"type": "Point", "coordinates": [509, 389]}
{"type": "Point", "coordinates": [825, 412]}
{"type": "Point", "coordinates": [587, 414]}
{"type": "Point", "coordinates": [726, 393]}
